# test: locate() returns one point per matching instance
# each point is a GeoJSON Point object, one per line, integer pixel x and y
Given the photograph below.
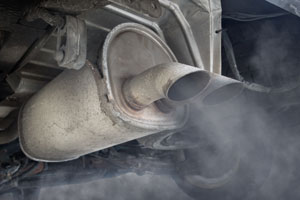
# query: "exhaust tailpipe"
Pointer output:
{"type": "Point", "coordinates": [174, 82]}
{"type": "Point", "coordinates": [220, 90]}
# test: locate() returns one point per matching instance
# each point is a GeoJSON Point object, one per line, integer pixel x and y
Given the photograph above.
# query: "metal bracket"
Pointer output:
{"type": "Point", "coordinates": [71, 50]}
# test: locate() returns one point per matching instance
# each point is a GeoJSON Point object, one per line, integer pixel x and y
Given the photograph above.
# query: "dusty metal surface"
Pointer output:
{"type": "Point", "coordinates": [190, 29]}
{"type": "Point", "coordinates": [136, 18]}
{"type": "Point", "coordinates": [141, 53]}
{"type": "Point", "coordinates": [188, 33]}
{"type": "Point", "coordinates": [34, 56]}
{"type": "Point", "coordinates": [52, 121]}
{"type": "Point", "coordinates": [193, 25]}
{"type": "Point", "coordinates": [73, 107]}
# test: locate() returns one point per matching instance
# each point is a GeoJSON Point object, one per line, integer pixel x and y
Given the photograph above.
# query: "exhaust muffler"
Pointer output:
{"type": "Point", "coordinates": [94, 108]}
{"type": "Point", "coordinates": [83, 111]}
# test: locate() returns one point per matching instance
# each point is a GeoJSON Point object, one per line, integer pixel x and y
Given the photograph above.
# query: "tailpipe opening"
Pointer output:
{"type": "Point", "coordinates": [174, 82]}
{"type": "Point", "coordinates": [221, 89]}
{"type": "Point", "coordinates": [188, 86]}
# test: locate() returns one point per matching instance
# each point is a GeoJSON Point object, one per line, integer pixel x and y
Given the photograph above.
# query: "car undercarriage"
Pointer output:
{"type": "Point", "coordinates": [204, 91]}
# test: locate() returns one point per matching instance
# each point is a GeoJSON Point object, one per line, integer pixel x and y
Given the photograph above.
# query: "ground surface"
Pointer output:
{"type": "Point", "coordinates": [126, 187]}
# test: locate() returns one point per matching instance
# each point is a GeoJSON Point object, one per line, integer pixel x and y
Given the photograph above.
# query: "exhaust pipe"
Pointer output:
{"type": "Point", "coordinates": [220, 90]}
{"type": "Point", "coordinates": [174, 82]}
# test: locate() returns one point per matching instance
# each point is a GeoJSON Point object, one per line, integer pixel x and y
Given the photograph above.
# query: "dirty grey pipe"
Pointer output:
{"type": "Point", "coordinates": [187, 31]}
{"type": "Point", "coordinates": [173, 81]}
